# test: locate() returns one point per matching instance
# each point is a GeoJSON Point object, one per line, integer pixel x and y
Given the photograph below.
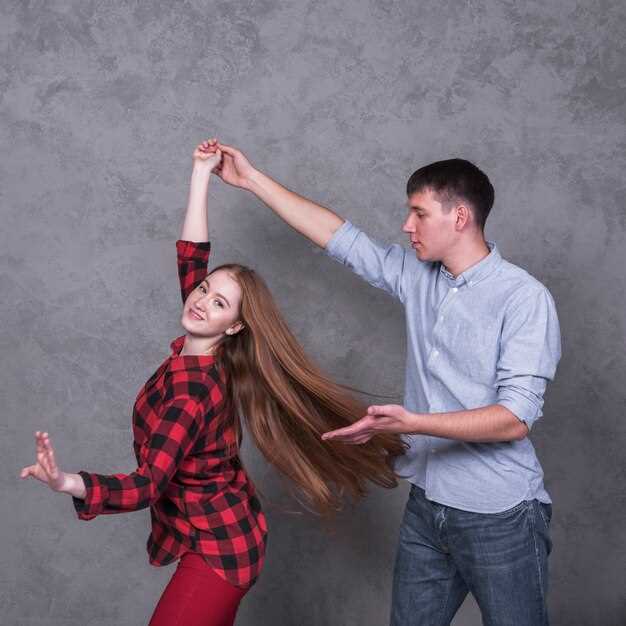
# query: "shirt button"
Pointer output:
{"type": "Point", "coordinates": [455, 289]}
{"type": "Point", "coordinates": [436, 353]}
{"type": "Point", "coordinates": [433, 450]}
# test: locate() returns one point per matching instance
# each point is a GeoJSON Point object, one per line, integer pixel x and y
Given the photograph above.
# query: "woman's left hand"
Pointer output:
{"type": "Point", "coordinates": [207, 155]}
{"type": "Point", "coordinates": [46, 469]}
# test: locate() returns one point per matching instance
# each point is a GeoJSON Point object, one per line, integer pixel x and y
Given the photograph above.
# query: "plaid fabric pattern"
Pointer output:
{"type": "Point", "coordinates": [188, 473]}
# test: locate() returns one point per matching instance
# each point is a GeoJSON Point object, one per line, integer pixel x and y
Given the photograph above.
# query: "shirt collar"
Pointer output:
{"type": "Point", "coordinates": [477, 272]}
{"type": "Point", "coordinates": [182, 362]}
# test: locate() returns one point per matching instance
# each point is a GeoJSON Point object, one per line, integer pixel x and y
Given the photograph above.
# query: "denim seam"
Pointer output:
{"type": "Point", "coordinates": [444, 607]}
{"type": "Point", "coordinates": [438, 529]}
{"type": "Point", "coordinates": [545, 519]}
{"type": "Point", "coordinates": [531, 517]}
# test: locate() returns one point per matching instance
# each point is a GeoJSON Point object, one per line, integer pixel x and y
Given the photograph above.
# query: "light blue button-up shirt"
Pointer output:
{"type": "Point", "coordinates": [489, 336]}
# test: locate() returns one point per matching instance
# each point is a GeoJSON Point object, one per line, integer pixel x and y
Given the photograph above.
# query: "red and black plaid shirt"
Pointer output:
{"type": "Point", "coordinates": [200, 498]}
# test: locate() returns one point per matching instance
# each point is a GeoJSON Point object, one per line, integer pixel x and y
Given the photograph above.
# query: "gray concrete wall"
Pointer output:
{"type": "Point", "coordinates": [102, 104]}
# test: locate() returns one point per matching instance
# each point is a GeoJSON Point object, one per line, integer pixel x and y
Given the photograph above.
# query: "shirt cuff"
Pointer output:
{"type": "Point", "coordinates": [95, 498]}
{"type": "Point", "coordinates": [342, 240]}
{"type": "Point", "coordinates": [517, 401]}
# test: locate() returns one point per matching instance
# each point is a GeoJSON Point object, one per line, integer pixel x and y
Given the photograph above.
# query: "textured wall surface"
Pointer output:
{"type": "Point", "coordinates": [101, 106]}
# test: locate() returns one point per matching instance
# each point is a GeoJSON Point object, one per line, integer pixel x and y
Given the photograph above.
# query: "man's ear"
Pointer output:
{"type": "Point", "coordinates": [235, 328]}
{"type": "Point", "coordinates": [463, 216]}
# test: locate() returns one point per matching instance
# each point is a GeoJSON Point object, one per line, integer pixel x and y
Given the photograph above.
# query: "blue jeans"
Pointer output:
{"type": "Point", "coordinates": [444, 553]}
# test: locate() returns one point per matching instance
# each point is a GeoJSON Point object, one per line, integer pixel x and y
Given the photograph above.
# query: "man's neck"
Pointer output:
{"type": "Point", "coordinates": [465, 255]}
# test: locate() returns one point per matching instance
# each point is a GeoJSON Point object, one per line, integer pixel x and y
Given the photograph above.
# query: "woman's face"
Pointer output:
{"type": "Point", "coordinates": [214, 306]}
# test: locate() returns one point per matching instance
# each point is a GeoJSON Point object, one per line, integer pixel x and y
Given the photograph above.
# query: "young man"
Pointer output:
{"type": "Point", "coordinates": [483, 340]}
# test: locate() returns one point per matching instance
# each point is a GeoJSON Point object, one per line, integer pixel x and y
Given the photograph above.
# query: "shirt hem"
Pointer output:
{"type": "Point", "coordinates": [470, 509]}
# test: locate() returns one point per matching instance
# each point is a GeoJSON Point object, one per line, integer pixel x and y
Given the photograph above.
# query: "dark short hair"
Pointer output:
{"type": "Point", "coordinates": [456, 179]}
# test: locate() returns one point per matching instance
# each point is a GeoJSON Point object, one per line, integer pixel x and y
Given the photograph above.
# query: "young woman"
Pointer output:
{"type": "Point", "coordinates": [237, 359]}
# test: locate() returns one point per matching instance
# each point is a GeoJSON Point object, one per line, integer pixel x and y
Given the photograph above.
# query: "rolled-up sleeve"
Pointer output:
{"type": "Point", "coordinates": [529, 353]}
{"type": "Point", "coordinates": [192, 258]}
{"type": "Point", "coordinates": [385, 267]}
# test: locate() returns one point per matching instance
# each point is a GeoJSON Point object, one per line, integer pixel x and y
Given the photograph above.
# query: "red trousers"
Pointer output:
{"type": "Point", "coordinates": [197, 596]}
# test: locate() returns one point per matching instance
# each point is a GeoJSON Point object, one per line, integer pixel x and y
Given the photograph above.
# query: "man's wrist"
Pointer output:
{"type": "Point", "coordinates": [254, 181]}
{"type": "Point", "coordinates": [413, 423]}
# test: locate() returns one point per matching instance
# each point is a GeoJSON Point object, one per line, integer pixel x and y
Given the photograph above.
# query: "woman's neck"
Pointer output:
{"type": "Point", "coordinates": [198, 346]}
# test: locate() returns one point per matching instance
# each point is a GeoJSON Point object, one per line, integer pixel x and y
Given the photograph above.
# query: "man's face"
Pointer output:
{"type": "Point", "coordinates": [431, 230]}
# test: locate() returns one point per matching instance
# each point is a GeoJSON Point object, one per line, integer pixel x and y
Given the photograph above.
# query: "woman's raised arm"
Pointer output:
{"type": "Point", "coordinates": [206, 157]}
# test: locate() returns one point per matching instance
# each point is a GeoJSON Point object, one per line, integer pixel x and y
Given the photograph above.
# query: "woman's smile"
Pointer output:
{"type": "Point", "coordinates": [195, 315]}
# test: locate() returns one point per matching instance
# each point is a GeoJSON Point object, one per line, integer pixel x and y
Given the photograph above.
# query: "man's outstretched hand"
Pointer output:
{"type": "Point", "coordinates": [391, 418]}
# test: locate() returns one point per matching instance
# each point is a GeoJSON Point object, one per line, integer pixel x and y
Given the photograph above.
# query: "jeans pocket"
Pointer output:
{"type": "Point", "coordinates": [415, 491]}
{"type": "Point", "coordinates": [545, 510]}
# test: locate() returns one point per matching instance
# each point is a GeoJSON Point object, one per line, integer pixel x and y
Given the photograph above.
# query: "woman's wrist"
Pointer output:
{"type": "Point", "coordinates": [201, 172]}
{"type": "Point", "coordinates": [74, 485]}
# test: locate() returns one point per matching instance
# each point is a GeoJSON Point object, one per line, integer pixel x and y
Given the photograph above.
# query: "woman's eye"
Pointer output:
{"type": "Point", "coordinates": [219, 303]}
{"type": "Point", "coordinates": [202, 289]}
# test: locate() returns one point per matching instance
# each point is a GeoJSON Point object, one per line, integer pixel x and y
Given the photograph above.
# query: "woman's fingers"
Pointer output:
{"type": "Point", "coordinates": [208, 145]}
{"type": "Point", "coordinates": [41, 451]}
{"type": "Point", "coordinates": [28, 471]}
{"type": "Point", "coordinates": [45, 469]}
{"type": "Point", "coordinates": [53, 461]}
{"type": "Point", "coordinates": [43, 454]}
{"type": "Point", "coordinates": [205, 150]}
{"type": "Point", "coordinates": [36, 471]}
{"type": "Point", "coordinates": [49, 460]}
{"type": "Point", "coordinates": [44, 463]}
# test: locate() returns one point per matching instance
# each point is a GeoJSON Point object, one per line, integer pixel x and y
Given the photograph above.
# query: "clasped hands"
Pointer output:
{"type": "Point", "coordinates": [230, 164]}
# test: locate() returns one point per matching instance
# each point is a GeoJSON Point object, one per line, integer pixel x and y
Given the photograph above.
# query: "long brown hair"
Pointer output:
{"type": "Point", "coordinates": [287, 404]}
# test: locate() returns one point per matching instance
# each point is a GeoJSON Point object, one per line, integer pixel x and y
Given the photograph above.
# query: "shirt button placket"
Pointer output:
{"type": "Point", "coordinates": [442, 317]}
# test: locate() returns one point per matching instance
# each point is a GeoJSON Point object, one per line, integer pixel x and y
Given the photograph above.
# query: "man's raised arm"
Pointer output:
{"type": "Point", "coordinates": [314, 221]}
